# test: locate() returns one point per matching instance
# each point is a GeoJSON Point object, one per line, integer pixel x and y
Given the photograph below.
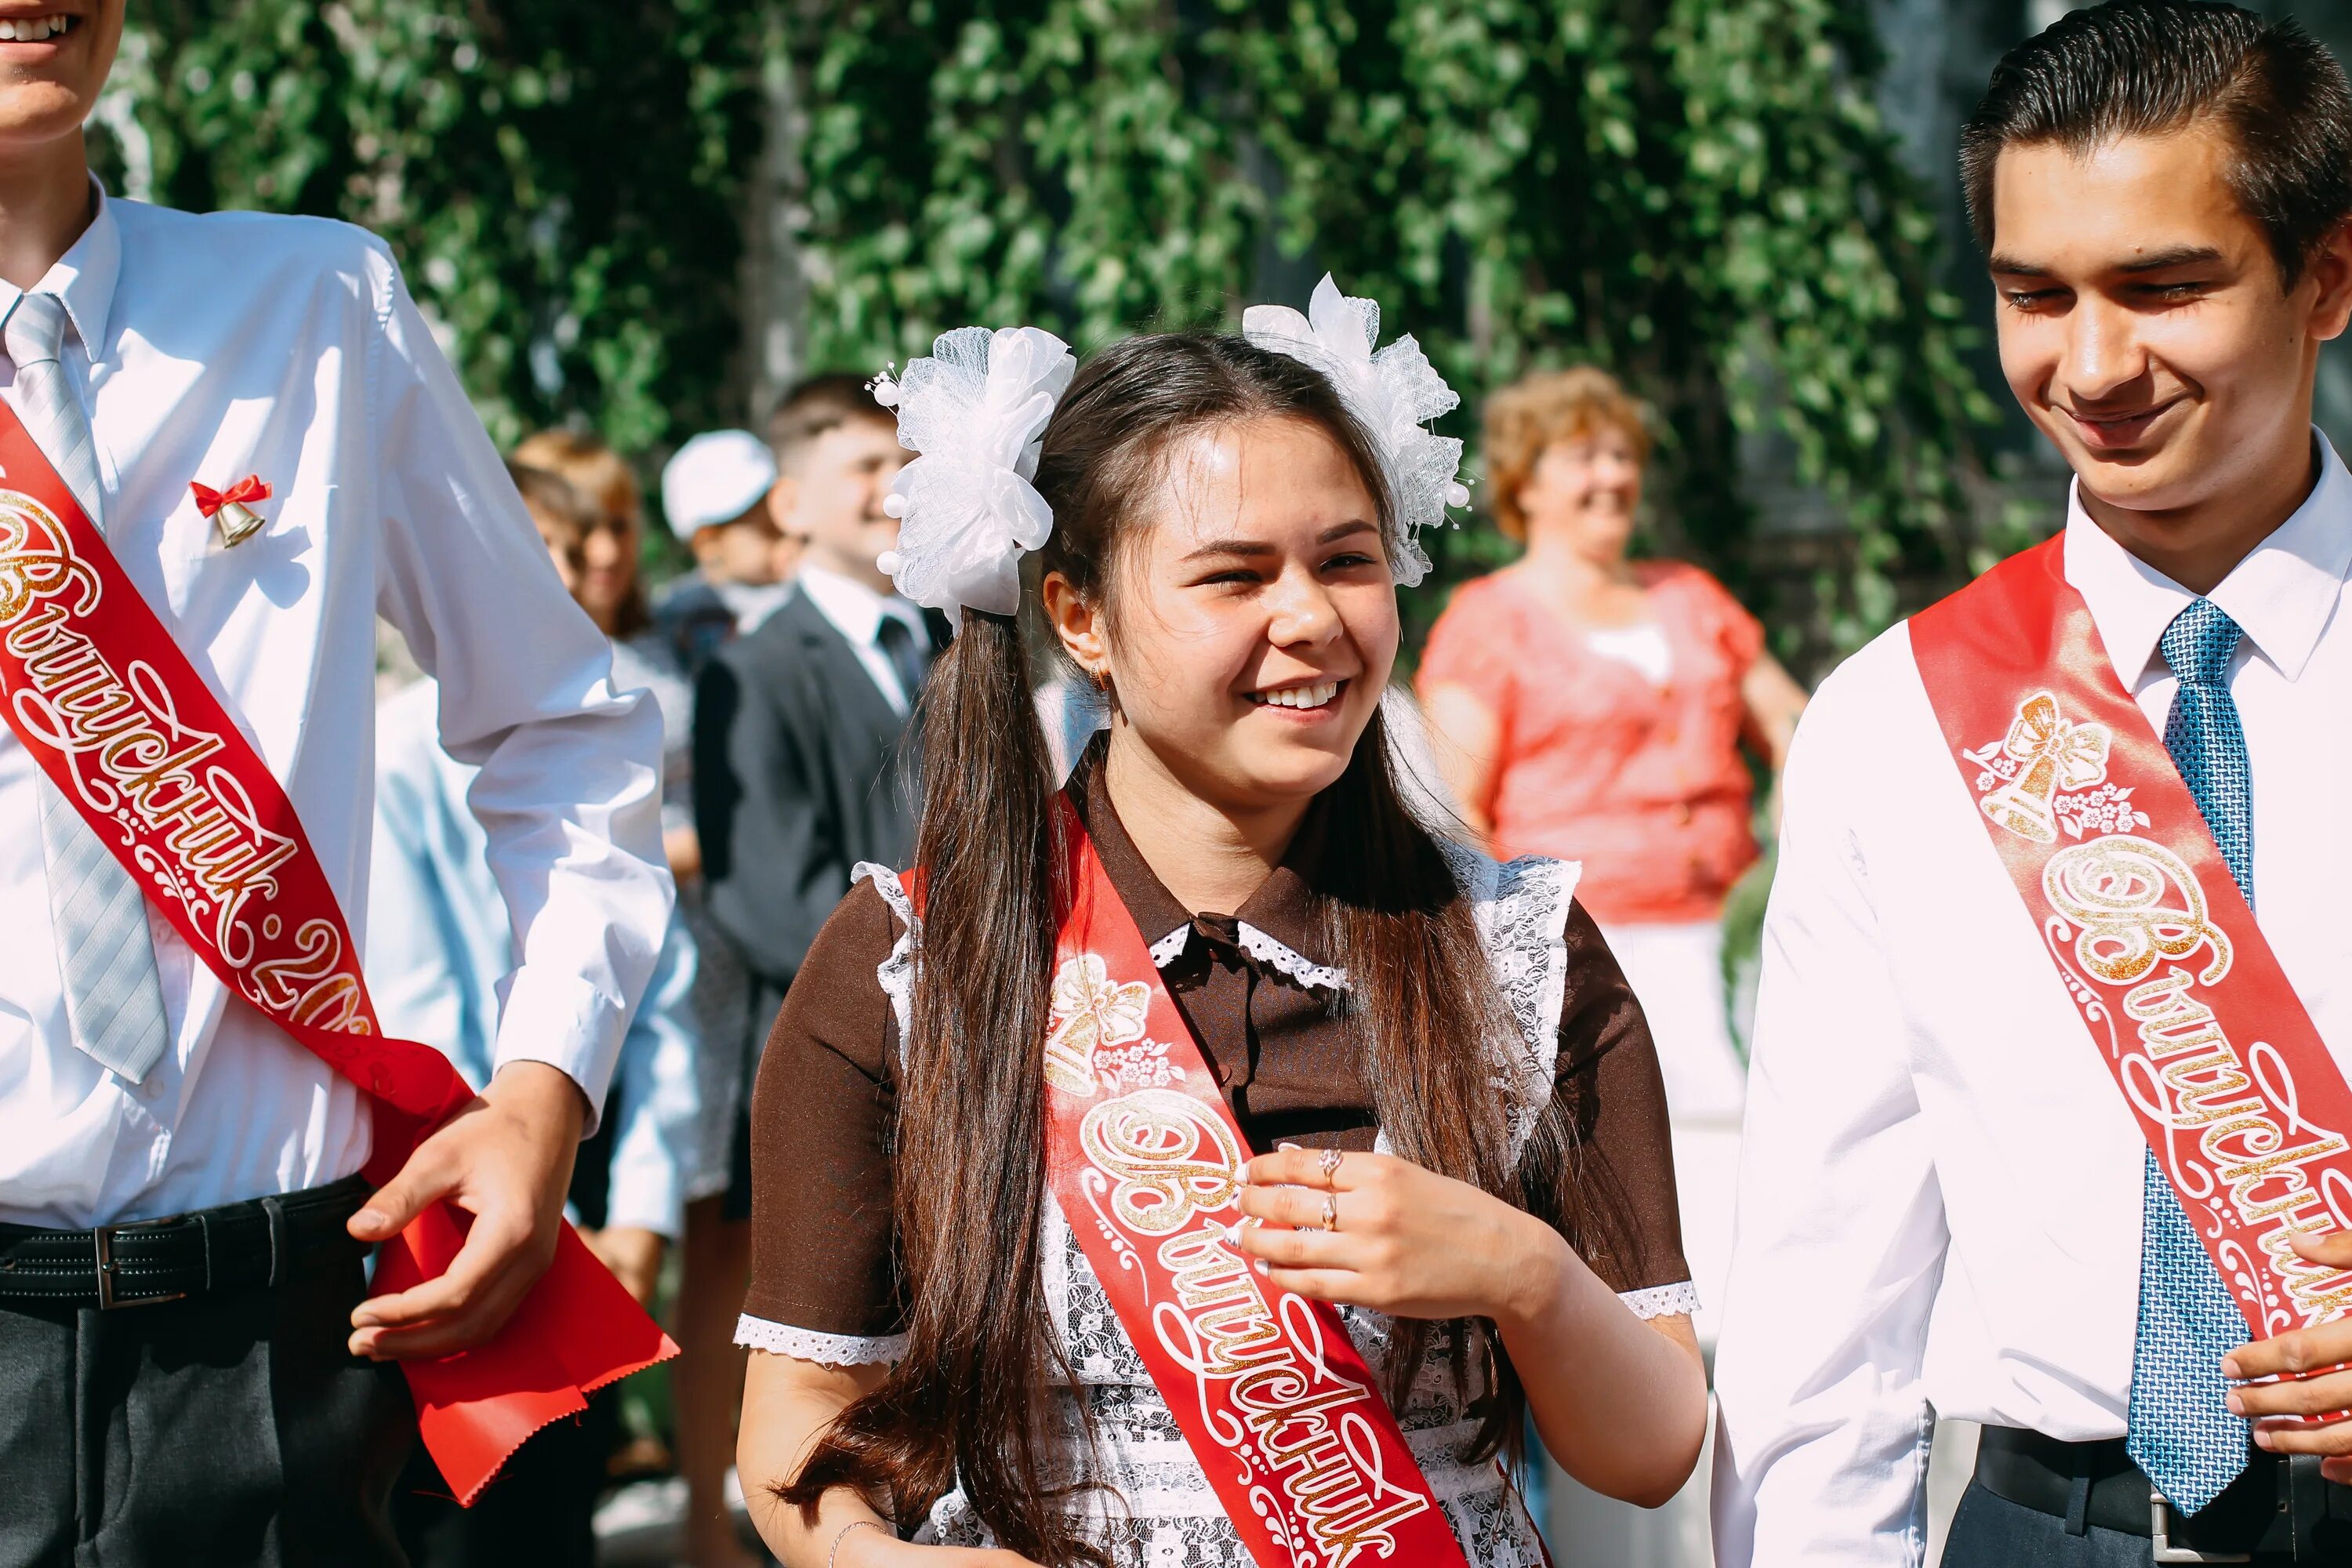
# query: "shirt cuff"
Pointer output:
{"type": "Point", "coordinates": [807, 1344]}
{"type": "Point", "coordinates": [648, 1199]}
{"type": "Point", "coordinates": [562, 1020]}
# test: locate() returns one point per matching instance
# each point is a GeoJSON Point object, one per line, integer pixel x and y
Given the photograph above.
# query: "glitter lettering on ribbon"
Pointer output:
{"type": "Point", "coordinates": [107, 704]}
{"type": "Point", "coordinates": [2234, 1089]}
{"type": "Point", "coordinates": [1146, 1160]}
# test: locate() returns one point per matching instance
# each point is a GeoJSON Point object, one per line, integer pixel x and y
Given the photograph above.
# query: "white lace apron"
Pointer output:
{"type": "Point", "coordinates": [1156, 1508]}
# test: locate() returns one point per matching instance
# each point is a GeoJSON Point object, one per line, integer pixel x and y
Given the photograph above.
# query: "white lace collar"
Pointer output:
{"type": "Point", "coordinates": [1269, 950]}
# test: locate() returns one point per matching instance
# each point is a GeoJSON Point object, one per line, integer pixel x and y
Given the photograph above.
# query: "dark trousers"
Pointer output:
{"type": "Point", "coordinates": [540, 1511]}
{"type": "Point", "coordinates": [231, 1428]}
{"type": "Point", "coordinates": [1993, 1533]}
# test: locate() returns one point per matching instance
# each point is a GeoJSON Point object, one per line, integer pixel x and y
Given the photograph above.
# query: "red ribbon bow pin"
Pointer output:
{"type": "Point", "coordinates": [237, 521]}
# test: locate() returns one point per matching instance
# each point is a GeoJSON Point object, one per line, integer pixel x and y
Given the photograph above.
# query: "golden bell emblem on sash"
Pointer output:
{"type": "Point", "coordinates": [2058, 753]}
{"type": "Point", "coordinates": [236, 521]}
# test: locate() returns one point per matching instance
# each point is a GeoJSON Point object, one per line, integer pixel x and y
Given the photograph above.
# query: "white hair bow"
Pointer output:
{"type": "Point", "coordinates": [975, 410]}
{"type": "Point", "coordinates": [1394, 393]}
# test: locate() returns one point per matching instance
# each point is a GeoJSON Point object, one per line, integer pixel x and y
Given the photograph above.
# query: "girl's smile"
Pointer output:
{"type": "Point", "coordinates": [1313, 702]}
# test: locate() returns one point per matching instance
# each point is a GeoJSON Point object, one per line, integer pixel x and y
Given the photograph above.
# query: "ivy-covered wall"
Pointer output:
{"type": "Point", "coordinates": [559, 180]}
{"type": "Point", "coordinates": [1697, 193]}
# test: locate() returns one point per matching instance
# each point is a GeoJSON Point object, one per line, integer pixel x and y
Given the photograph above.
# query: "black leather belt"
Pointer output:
{"type": "Point", "coordinates": [2279, 1510]}
{"type": "Point", "coordinates": [234, 1248]}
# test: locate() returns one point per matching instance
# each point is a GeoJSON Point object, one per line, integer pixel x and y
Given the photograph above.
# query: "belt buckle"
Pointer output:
{"type": "Point", "coordinates": [2160, 1521]}
{"type": "Point", "coordinates": [103, 1238]}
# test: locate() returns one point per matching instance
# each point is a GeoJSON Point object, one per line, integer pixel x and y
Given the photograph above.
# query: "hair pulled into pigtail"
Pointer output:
{"type": "Point", "coordinates": [967, 1406]}
{"type": "Point", "coordinates": [971, 1125]}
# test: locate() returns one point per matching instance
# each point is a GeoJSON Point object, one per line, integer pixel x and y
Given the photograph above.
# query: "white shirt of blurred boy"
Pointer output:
{"type": "Point", "coordinates": [857, 612]}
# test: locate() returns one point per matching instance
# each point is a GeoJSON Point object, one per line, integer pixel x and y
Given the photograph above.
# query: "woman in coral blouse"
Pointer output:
{"type": "Point", "coordinates": [1593, 708]}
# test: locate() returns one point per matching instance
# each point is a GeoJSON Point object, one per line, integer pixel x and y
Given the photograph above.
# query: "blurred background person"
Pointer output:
{"type": "Point", "coordinates": [608, 587]}
{"type": "Point", "coordinates": [1593, 708]}
{"type": "Point", "coordinates": [718, 492]}
{"type": "Point", "coordinates": [804, 767]}
{"type": "Point", "coordinates": [611, 588]}
{"type": "Point", "coordinates": [715, 493]}
{"type": "Point", "coordinates": [439, 948]}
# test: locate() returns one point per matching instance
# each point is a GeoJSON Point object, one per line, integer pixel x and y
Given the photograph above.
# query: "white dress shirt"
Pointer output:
{"type": "Point", "coordinates": [857, 612]}
{"type": "Point", "coordinates": [208, 348]}
{"type": "Point", "coordinates": [438, 946]}
{"type": "Point", "coordinates": [1940, 1186]}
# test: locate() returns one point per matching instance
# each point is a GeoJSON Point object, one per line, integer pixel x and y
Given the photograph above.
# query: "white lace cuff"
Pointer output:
{"type": "Point", "coordinates": [1661, 1300]}
{"type": "Point", "coordinates": [807, 1344]}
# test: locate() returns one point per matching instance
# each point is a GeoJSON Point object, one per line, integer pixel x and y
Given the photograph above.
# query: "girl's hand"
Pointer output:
{"type": "Point", "coordinates": [1402, 1240]}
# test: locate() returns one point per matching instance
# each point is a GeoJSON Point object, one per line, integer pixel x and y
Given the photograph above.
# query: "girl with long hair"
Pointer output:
{"type": "Point", "coordinates": [1208, 1162]}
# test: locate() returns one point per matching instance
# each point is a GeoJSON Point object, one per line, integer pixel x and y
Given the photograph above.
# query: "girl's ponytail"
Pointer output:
{"type": "Point", "coordinates": [970, 1154]}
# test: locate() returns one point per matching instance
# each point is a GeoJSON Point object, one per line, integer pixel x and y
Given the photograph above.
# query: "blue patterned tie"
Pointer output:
{"type": "Point", "coordinates": [2180, 1432]}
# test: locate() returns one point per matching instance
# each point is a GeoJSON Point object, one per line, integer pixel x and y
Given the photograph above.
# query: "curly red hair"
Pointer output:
{"type": "Point", "coordinates": [1544, 408]}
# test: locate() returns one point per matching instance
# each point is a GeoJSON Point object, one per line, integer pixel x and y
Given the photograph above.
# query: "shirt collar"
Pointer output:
{"type": "Point", "coordinates": [84, 277]}
{"type": "Point", "coordinates": [751, 603]}
{"type": "Point", "coordinates": [1276, 925]}
{"type": "Point", "coordinates": [854, 609]}
{"type": "Point", "coordinates": [2280, 594]}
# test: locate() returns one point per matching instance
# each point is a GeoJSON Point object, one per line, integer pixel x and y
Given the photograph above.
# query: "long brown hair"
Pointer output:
{"type": "Point", "coordinates": [963, 1407]}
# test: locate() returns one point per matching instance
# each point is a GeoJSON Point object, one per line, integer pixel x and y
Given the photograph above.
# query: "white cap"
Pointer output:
{"type": "Point", "coordinates": [716, 477]}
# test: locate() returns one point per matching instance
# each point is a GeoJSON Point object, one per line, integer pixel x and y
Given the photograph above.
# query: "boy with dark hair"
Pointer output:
{"type": "Point", "coordinates": [816, 407]}
{"type": "Point", "coordinates": [2053, 1139]}
{"type": "Point", "coordinates": [804, 766]}
{"type": "Point", "coordinates": [799, 725]}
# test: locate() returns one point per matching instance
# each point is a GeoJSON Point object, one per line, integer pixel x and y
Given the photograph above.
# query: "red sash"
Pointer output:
{"type": "Point", "coordinates": [1145, 1160]}
{"type": "Point", "coordinates": [2239, 1097]}
{"type": "Point", "coordinates": [112, 711]}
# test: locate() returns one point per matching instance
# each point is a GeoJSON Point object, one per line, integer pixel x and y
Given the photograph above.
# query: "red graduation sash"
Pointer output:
{"type": "Point", "coordinates": [1146, 1162]}
{"type": "Point", "coordinates": [110, 708]}
{"type": "Point", "coordinates": [2246, 1111]}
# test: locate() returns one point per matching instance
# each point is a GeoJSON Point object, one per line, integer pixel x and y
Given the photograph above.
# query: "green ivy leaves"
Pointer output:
{"type": "Point", "coordinates": [1698, 194]}
{"type": "Point", "coordinates": [564, 197]}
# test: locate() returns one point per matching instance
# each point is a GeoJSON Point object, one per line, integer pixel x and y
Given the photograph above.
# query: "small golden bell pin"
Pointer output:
{"type": "Point", "coordinates": [236, 521]}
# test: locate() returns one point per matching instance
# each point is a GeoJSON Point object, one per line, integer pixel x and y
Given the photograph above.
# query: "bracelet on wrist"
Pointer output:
{"type": "Point", "coordinates": [843, 1533]}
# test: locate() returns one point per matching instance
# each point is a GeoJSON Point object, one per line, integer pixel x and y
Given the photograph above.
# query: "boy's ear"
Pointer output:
{"type": "Point", "coordinates": [2331, 266]}
{"type": "Point", "coordinates": [783, 499]}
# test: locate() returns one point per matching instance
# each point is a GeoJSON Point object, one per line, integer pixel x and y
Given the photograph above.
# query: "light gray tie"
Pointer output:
{"type": "Point", "coordinates": [114, 998]}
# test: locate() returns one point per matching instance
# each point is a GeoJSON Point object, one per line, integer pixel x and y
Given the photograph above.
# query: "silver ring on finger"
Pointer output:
{"type": "Point", "coordinates": [1330, 1161]}
{"type": "Point", "coordinates": [1330, 1211]}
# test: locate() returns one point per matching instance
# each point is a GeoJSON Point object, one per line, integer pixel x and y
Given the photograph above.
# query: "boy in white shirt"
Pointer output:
{"type": "Point", "coordinates": [270, 451]}
{"type": "Point", "coordinates": [1979, 1177]}
{"type": "Point", "coordinates": [717, 493]}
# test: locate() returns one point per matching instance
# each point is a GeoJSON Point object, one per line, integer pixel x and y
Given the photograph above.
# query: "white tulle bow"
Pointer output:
{"type": "Point", "coordinates": [1392, 392]}
{"type": "Point", "coordinates": [975, 410]}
